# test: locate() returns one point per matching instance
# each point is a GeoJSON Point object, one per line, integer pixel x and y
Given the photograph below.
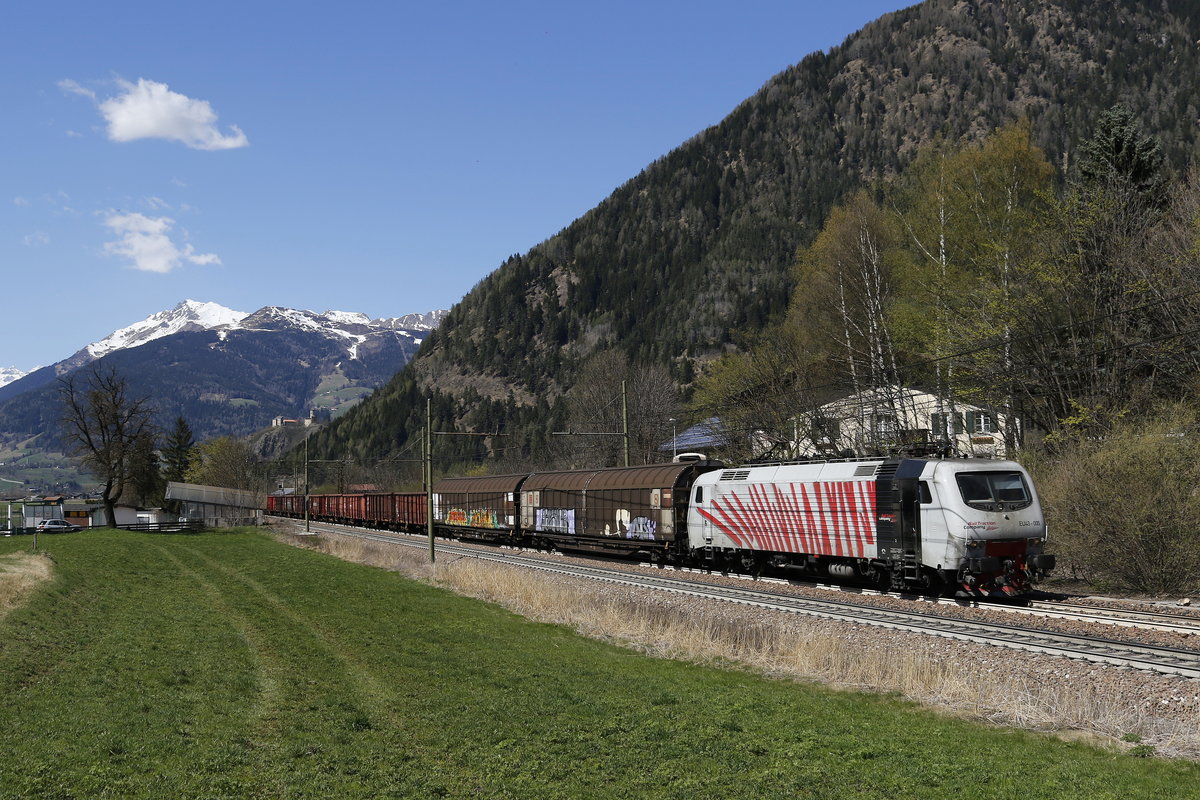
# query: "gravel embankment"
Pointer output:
{"type": "Point", "coordinates": [970, 613]}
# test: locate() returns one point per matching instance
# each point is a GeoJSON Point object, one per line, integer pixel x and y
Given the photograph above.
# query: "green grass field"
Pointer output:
{"type": "Point", "coordinates": [229, 665]}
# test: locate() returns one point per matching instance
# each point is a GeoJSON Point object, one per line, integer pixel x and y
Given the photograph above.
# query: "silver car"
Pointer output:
{"type": "Point", "coordinates": [57, 526]}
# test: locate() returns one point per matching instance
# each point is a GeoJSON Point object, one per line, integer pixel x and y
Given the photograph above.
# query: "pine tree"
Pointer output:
{"type": "Point", "coordinates": [145, 477]}
{"type": "Point", "coordinates": [177, 452]}
{"type": "Point", "coordinates": [1120, 155]}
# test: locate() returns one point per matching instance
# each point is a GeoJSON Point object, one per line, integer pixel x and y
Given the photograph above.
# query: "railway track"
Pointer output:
{"type": "Point", "coordinates": [1114, 652]}
{"type": "Point", "coordinates": [1143, 619]}
{"type": "Point", "coordinates": [1124, 617]}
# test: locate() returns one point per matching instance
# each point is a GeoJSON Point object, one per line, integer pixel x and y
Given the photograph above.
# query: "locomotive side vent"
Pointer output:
{"type": "Point", "coordinates": [735, 475]}
{"type": "Point", "coordinates": [864, 470]}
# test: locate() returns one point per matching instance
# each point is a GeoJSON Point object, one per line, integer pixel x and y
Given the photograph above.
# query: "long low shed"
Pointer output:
{"type": "Point", "coordinates": [217, 506]}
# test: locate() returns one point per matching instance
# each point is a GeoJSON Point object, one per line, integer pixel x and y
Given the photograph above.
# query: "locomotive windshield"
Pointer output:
{"type": "Point", "coordinates": [994, 491]}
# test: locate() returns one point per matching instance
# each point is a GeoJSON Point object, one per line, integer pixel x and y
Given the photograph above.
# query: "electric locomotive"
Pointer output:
{"type": "Point", "coordinates": [971, 526]}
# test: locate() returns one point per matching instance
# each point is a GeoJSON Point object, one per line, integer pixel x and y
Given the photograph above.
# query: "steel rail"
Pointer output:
{"type": "Point", "coordinates": [1127, 617]}
{"type": "Point", "coordinates": [1166, 660]}
{"type": "Point", "coordinates": [1144, 619]}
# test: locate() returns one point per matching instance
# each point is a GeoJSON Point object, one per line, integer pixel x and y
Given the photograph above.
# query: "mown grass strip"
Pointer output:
{"type": "Point", "coordinates": [20, 573]}
{"type": "Point", "coordinates": [227, 665]}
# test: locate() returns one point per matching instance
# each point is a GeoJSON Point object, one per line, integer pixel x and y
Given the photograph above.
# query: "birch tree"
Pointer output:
{"type": "Point", "coordinates": [974, 222]}
{"type": "Point", "coordinates": [845, 296]}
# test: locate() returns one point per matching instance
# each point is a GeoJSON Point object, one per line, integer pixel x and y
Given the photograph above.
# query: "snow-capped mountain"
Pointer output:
{"type": "Point", "coordinates": [228, 372]}
{"type": "Point", "coordinates": [10, 374]}
{"type": "Point", "coordinates": [413, 322]}
{"type": "Point", "coordinates": [348, 324]}
{"type": "Point", "coordinates": [189, 315]}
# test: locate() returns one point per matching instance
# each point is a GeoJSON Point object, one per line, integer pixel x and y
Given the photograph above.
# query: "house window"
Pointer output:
{"type": "Point", "coordinates": [981, 422]}
{"type": "Point", "coordinates": [938, 423]}
{"type": "Point", "coordinates": [885, 425]}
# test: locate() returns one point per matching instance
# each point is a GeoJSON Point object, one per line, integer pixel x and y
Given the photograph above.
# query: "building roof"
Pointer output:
{"type": "Point", "coordinates": [214, 495]}
{"type": "Point", "coordinates": [709, 433]}
{"type": "Point", "coordinates": [889, 395]}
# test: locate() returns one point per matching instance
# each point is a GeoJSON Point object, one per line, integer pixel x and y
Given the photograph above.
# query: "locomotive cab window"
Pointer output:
{"type": "Point", "coordinates": [994, 491]}
{"type": "Point", "coordinates": [923, 495]}
{"type": "Point", "coordinates": [699, 494]}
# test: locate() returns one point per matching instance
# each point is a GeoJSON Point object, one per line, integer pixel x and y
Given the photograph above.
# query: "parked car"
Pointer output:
{"type": "Point", "coordinates": [57, 526]}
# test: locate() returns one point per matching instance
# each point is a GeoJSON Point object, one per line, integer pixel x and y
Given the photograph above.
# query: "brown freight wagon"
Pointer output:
{"type": "Point", "coordinates": [483, 507]}
{"type": "Point", "coordinates": [287, 505]}
{"type": "Point", "coordinates": [346, 509]}
{"type": "Point", "coordinates": [405, 510]}
{"type": "Point", "coordinates": [329, 507]}
{"type": "Point", "coordinates": [619, 510]}
{"type": "Point", "coordinates": [320, 506]}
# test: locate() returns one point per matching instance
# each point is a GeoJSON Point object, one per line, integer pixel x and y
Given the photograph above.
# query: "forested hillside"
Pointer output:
{"type": "Point", "coordinates": [694, 256]}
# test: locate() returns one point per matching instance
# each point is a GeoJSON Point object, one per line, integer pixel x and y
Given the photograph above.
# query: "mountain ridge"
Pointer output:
{"type": "Point", "coordinates": [228, 372]}
{"type": "Point", "coordinates": [694, 254]}
{"type": "Point", "coordinates": [192, 316]}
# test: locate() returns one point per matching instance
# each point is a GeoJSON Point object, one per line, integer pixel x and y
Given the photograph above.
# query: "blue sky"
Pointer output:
{"type": "Point", "coordinates": [380, 157]}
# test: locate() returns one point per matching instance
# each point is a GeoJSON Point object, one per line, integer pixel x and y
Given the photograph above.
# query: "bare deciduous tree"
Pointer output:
{"type": "Point", "coordinates": [102, 424]}
{"type": "Point", "coordinates": [595, 412]}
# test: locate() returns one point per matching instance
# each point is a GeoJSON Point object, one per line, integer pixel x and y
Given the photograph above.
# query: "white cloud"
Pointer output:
{"type": "Point", "coordinates": [157, 203]}
{"type": "Point", "coordinates": [68, 85]}
{"type": "Point", "coordinates": [21, 201]}
{"type": "Point", "coordinates": [146, 242]}
{"type": "Point", "coordinates": [36, 239]}
{"type": "Point", "coordinates": [150, 110]}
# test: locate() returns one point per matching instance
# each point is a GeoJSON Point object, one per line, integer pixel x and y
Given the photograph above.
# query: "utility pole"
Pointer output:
{"type": "Point", "coordinates": [625, 420]}
{"type": "Point", "coordinates": [427, 466]}
{"type": "Point", "coordinates": [429, 434]}
{"type": "Point", "coordinates": [307, 522]}
{"type": "Point", "coordinates": [428, 437]}
{"type": "Point", "coordinates": [342, 462]}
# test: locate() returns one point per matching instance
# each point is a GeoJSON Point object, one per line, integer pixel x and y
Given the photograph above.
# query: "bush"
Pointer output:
{"type": "Point", "coordinates": [1124, 508]}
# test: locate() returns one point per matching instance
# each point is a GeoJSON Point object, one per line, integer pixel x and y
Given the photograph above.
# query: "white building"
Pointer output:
{"type": "Point", "coordinates": [126, 515]}
{"type": "Point", "coordinates": [877, 421]}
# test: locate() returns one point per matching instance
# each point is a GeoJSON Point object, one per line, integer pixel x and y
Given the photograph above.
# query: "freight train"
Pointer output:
{"type": "Point", "coordinates": [970, 527]}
